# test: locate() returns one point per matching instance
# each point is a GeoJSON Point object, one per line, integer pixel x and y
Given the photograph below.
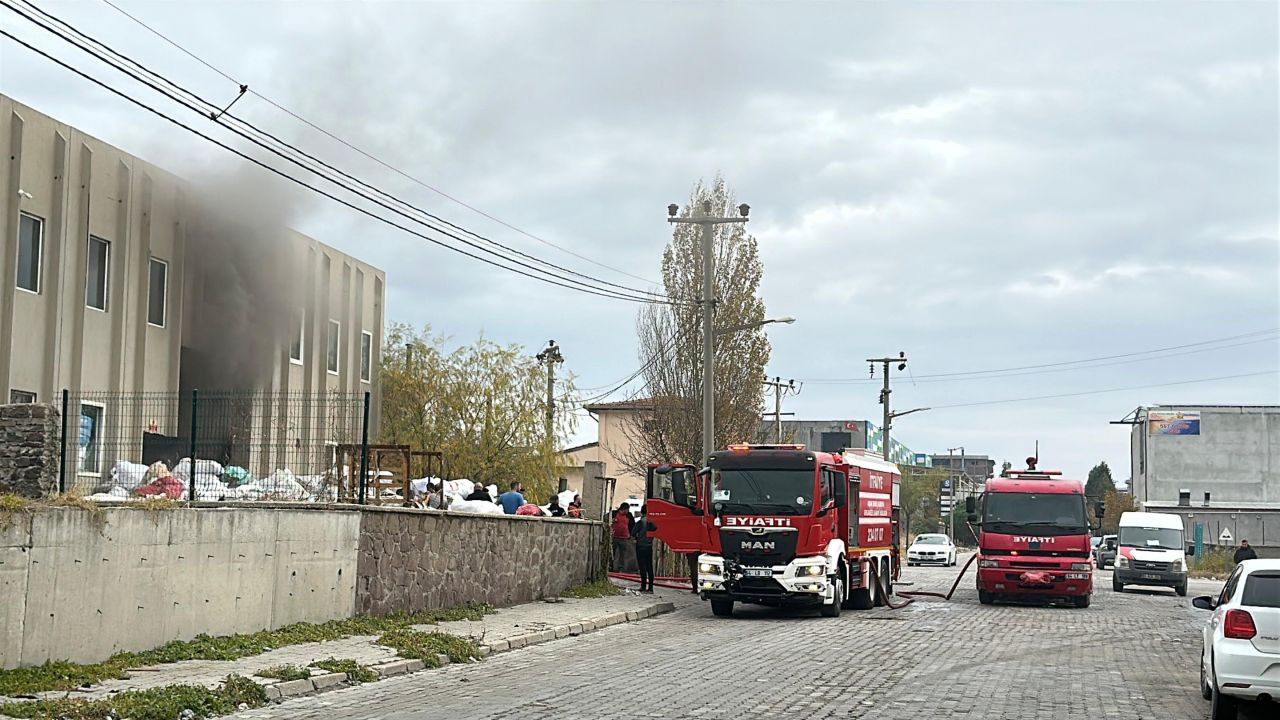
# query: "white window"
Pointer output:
{"type": "Point", "coordinates": [30, 252]}
{"type": "Point", "coordinates": [335, 331]}
{"type": "Point", "coordinates": [19, 397]}
{"type": "Point", "coordinates": [366, 356]}
{"type": "Point", "coordinates": [158, 294]}
{"type": "Point", "coordinates": [95, 291]}
{"type": "Point", "coordinates": [90, 437]}
{"type": "Point", "coordinates": [295, 349]}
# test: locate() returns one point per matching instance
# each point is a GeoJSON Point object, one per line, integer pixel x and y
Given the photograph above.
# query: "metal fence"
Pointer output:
{"type": "Point", "coordinates": [211, 446]}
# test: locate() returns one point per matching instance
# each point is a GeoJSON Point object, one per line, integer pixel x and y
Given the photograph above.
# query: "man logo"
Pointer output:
{"type": "Point", "coordinates": [759, 545]}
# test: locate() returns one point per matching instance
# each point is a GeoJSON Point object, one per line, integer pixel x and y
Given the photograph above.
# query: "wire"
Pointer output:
{"type": "Point", "coordinates": [643, 295]}
{"type": "Point", "coordinates": [667, 347]}
{"type": "Point", "coordinates": [1108, 390]}
{"type": "Point", "coordinates": [1059, 366]}
{"type": "Point", "coordinates": [304, 184]}
{"type": "Point", "coordinates": [369, 156]}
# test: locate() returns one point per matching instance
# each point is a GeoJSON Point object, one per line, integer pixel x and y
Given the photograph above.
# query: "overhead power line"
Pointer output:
{"type": "Point", "coordinates": [662, 352]}
{"type": "Point", "coordinates": [366, 154]}
{"type": "Point", "coordinates": [1107, 390]}
{"type": "Point", "coordinates": [1087, 363]}
{"type": "Point", "coordinates": [551, 277]}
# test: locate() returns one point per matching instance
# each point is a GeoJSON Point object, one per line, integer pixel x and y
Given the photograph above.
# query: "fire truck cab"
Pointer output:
{"type": "Point", "coordinates": [781, 525]}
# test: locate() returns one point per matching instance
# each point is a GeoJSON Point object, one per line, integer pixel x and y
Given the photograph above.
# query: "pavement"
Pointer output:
{"type": "Point", "coordinates": [514, 627]}
{"type": "Point", "coordinates": [1131, 655]}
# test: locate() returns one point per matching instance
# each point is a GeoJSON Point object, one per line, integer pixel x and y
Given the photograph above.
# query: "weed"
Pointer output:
{"type": "Point", "coordinates": [597, 589]}
{"type": "Point", "coordinates": [284, 672]}
{"type": "Point", "coordinates": [163, 703]}
{"type": "Point", "coordinates": [64, 675]}
{"type": "Point", "coordinates": [12, 506]}
{"type": "Point", "coordinates": [355, 672]}
{"type": "Point", "coordinates": [75, 499]}
{"type": "Point", "coordinates": [1214, 564]}
{"type": "Point", "coordinates": [427, 646]}
{"type": "Point", "coordinates": [157, 503]}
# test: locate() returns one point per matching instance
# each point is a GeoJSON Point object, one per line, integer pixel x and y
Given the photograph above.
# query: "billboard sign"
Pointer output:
{"type": "Point", "coordinates": [1173, 422]}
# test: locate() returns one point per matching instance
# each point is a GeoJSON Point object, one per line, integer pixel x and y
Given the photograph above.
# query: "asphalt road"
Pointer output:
{"type": "Point", "coordinates": [1131, 655]}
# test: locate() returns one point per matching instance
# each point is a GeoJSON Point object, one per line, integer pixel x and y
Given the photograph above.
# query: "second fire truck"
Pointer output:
{"type": "Point", "coordinates": [782, 525]}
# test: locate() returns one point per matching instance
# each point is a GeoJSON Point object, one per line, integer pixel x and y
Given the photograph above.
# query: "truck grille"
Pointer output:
{"type": "Point", "coordinates": [763, 550]}
{"type": "Point", "coordinates": [1150, 565]}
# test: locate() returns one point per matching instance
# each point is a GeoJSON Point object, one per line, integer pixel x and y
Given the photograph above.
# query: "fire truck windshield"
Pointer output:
{"type": "Point", "coordinates": [1034, 513]}
{"type": "Point", "coordinates": [761, 491]}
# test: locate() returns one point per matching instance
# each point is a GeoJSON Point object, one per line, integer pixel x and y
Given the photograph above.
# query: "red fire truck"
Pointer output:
{"type": "Point", "coordinates": [1033, 539]}
{"type": "Point", "coordinates": [782, 525]}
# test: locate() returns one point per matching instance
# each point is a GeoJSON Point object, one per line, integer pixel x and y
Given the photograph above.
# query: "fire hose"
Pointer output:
{"type": "Point", "coordinates": [883, 588]}
{"type": "Point", "coordinates": [664, 581]}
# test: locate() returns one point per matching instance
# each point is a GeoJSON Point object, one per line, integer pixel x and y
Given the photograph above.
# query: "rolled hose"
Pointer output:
{"type": "Point", "coordinates": [883, 588]}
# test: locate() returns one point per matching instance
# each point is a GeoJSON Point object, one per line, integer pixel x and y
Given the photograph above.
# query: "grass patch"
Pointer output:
{"type": "Point", "coordinates": [75, 499]}
{"type": "Point", "coordinates": [426, 646]}
{"type": "Point", "coordinates": [355, 672]}
{"type": "Point", "coordinates": [597, 589]}
{"type": "Point", "coordinates": [12, 506]}
{"type": "Point", "coordinates": [284, 672]}
{"type": "Point", "coordinates": [62, 675]}
{"type": "Point", "coordinates": [1214, 564]}
{"type": "Point", "coordinates": [165, 703]}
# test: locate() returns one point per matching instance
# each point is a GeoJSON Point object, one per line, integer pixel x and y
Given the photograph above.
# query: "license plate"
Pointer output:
{"type": "Point", "coordinates": [757, 572]}
{"type": "Point", "coordinates": [1149, 576]}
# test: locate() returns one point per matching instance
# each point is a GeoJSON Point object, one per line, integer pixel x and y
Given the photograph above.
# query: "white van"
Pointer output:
{"type": "Point", "coordinates": [1152, 551]}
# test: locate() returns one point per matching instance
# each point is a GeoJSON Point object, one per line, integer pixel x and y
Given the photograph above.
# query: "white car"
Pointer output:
{"type": "Point", "coordinates": [1240, 660]}
{"type": "Point", "coordinates": [932, 548]}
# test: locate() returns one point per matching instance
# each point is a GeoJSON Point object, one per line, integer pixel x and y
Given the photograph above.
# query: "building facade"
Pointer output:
{"type": "Point", "coordinates": [1216, 465]}
{"type": "Point", "coordinates": [109, 293]}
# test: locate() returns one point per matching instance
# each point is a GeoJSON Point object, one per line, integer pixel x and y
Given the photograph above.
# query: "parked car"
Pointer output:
{"type": "Point", "coordinates": [1241, 647]}
{"type": "Point", "coordinates": [932, 548]}
{"type": "Point", "coordinates": [1104, 553]}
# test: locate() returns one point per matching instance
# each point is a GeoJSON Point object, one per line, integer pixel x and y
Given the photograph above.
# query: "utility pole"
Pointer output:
{"type": "Point", "coordinates": [708, 303]}
{"type": "Point", "coordinates": [779, 389]}
{"type": "Point", "coordinates": [901, 361]}
{"type": "Point", "coordinates": [951, 495]}
{"type": "Point", "coordinates": [551, 357]}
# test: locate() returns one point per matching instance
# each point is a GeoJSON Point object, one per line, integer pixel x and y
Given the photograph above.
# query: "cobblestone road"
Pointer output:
{"type": "Point", "coordinates": [1128, 656]}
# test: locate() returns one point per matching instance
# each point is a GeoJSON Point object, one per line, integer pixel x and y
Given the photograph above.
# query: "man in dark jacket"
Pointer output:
{"type": "Point", "coordinates": [644, 549]}
{"type": "Point", "coordinates": [480, 493]}
{"type": "Point", "coordinates": [1244, 552]}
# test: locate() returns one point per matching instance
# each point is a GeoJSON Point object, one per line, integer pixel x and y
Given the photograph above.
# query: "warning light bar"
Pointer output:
{"type": "Point", "coordinates": [747, 447]}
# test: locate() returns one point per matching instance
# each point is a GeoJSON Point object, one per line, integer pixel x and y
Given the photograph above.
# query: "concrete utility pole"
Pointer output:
{"type": "Point", "coordinates": [901, 361]}
{"type": "Point", "coordinates": [708, 303]}
{"type": "Point", "coordinates": [779, 389]}
{"type": "Point", "coordinates": [551, 357]}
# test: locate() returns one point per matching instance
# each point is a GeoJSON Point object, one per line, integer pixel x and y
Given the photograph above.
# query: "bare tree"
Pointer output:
{"type": "Point", "coordinates": [669, 425]}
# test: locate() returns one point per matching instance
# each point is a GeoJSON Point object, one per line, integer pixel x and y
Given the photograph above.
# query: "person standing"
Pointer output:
{"type": "Point", "coordinates": [1244, 552]}
{"type": "Point", "coordinates": [692, 560]}
{"type": "Point", "coordinates": [621, 530]}
{"type": "Point", "coordinates": [644, 549]}
{"type": "Point", "coordinates": [512, 500]}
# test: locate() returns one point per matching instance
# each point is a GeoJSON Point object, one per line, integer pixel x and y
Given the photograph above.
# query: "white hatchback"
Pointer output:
{"type": "Point", "coordinates": [931, 548]}
{"type": "Point", "coordinates": [1241, 656]}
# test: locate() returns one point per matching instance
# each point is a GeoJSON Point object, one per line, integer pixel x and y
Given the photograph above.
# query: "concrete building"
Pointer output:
{"type": "Point", "coordinates": [1216, 465]}
{"type": "Point", "coordinates": [113, 284]}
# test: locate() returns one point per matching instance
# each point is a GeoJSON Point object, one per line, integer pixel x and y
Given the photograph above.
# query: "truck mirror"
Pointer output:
{"type": "Point", "coordinates": [1191, 549]}
{"type": "Point", "coordinates": [971, 507]}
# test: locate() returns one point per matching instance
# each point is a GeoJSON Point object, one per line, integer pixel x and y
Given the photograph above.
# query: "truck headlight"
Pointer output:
{"type": "Point", "coordinates": [1122, 561]}
{"type": "Point", "coordinates": [708, 568]}
{"type": "Point", "coordinates": [988, 563]}
{"type": "Point", "coordinates": [1182, 565]}
{"type": "Point", "coordinates": [812, 570]}
{"type": "Point", "coordinates": [1081, 566]}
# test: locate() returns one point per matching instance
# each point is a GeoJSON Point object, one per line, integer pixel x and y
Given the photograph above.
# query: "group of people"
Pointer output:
{"type": "Point", "coordinates": [513, 502]}
{"type": "Point", "coordinates": [626, 526]}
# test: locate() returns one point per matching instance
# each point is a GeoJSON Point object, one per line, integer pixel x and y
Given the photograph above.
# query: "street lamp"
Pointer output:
{"type": "Point", "coordinates": [785, 320]}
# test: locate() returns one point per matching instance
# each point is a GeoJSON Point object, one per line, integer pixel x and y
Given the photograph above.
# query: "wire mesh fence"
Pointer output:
{"type": "Point", "coordinates": [213, 446]}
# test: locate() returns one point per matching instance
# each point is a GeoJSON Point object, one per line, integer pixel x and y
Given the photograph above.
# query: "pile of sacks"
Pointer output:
{"type": "Point", "coordinates": [212, 482]}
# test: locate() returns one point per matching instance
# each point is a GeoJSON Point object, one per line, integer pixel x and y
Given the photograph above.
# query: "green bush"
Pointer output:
{"type": "Point", "coordinates": [284, 672]}
{"type": "Point", "coordinates": [1214, 563]}
{"type": "Point", "coordinates": [426, 646]}
{"type": "Point", "coordinates": [355, 672]}
{"type": "Point", "coordinates": [164, 703]}
{"type": "Point", "coordinates": [597, 589]}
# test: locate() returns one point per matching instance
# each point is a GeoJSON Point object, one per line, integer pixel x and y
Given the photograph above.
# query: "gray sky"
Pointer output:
{"type": "Point", "coordinates": [979, 185]}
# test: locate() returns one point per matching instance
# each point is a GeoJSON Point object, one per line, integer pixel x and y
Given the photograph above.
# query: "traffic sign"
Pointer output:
{"type": "Point", "coordinates": [1225, 537]}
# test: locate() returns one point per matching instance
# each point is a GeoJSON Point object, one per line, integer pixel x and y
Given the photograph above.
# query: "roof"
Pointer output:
{"type": "Point", "coordinates": [1049, 487]}
{"type": "Point", "coordinates": [584, 446]}
{"type": "Point", "coordinates": [636, 404]}
{"type": "Point", "coordinates": [1148, 519]}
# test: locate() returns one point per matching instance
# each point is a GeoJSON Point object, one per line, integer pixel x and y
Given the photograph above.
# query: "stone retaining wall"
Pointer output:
{"type": "Point", "coordinates": [29, 439]}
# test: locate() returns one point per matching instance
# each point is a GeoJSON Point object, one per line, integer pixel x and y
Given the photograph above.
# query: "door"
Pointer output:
{"type": "Point", "coordinates": [672, 500]}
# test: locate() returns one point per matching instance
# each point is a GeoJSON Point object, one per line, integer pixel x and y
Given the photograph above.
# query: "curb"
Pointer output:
{"type": "Point", "coordinates": [323, 682]}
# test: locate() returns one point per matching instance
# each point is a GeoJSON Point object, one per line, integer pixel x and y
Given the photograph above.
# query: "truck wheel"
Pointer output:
{"type": "Point", "coordinates": [985, 597]}
{"type": "Point", "coordinates": [1181, 589]}
{"type": "Point", "coordinates": [1082, 601]}
{"type": "Point", "coordinates": [721, 608]}
{"type": "Point", "coordinates": [1206, 691]}
{"type": "Point", "coordinates": [860, 599]}
{"type": "Point", "coordinates": [1116, 584]}
{"type": "Point", "coordinates": [833, 610]}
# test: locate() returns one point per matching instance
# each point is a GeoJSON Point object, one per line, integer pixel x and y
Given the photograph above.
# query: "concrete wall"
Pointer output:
{"type": "Point", "coordinates": [413, 559]}
{"type": "Point", "coordinates": [80, 587]}
{"type": "Point", "coordinates": [1235, 458]}
{"type": "Point", "coordinates": [29, 435]}
{"type": "Point", "coordinates": [1260, 527]}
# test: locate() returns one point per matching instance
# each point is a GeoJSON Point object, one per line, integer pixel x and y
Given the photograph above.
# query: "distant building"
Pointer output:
{"type": "Point", "coordinates": [971, 472]}
{"type": "Point", "coordinates": [1216, 465]}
